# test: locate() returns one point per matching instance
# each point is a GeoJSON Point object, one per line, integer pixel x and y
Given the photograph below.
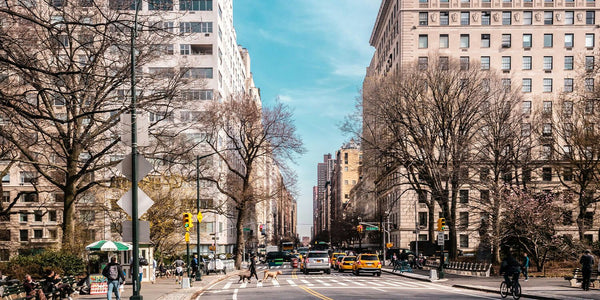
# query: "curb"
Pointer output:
{"type": "Point", "coordinates": [495, 291]}
{"type": "Point", "coordinates": [415, 276]}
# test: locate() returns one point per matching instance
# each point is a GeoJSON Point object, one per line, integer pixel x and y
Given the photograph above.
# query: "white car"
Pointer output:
{"type": "Point", "coordinates": [316, 261]}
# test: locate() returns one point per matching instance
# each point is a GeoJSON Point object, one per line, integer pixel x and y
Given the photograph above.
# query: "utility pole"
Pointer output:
{"type": "Point", "coordinates": [134, 166]}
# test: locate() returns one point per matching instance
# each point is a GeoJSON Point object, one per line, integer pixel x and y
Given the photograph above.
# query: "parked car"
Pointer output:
{"type": "Point", "coordinates": [316, 261]}
{"type": "Point", "coordinates": [346, 263]}
{"type": "Point", "coordinates": [367, 263]}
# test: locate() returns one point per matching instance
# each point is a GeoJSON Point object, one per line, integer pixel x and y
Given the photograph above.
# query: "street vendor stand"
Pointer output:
{"type": "Point", "coordinates": [97, 282]}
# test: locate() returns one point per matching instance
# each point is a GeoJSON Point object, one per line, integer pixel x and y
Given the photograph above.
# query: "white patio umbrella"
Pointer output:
{"type": "Point", "coordinates": [105, 245]}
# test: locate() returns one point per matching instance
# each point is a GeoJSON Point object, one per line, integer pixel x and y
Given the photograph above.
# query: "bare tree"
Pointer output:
{"type": "Point", "coordinates": [66, 84]}
{"type": "Point", "coordinates": [241, 135]}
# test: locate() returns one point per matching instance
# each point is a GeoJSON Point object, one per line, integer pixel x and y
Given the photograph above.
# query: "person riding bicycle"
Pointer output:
{"type": "Point", "coordinates": [510, 266]}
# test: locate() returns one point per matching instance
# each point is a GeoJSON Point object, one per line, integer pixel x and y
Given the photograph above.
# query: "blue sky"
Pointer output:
{"type": "Point", "coordinates": [312, 55]}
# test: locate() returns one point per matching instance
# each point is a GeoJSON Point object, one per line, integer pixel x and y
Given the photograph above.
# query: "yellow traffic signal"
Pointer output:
{"type": "Point", "coordinates": [441, 224]}
{"type": "Point", "coordinates": [359, 228]}
{"type": "Point", "coordinates": [187, 220]}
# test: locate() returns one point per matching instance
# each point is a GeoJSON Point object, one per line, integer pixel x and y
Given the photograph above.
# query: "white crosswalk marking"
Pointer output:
{"type": "Point", "coordinates": [306, 282]}
{"type": "Point", "coordinates": [323, 282]}
{"type": "Point", "coordinates": [338, 282]}
{"type": "Point", "coordinates": [243, 285]}
{"type": "Point", "coordinates": [259, 284]}
{"type": "Point", "coordinates": [291, 282]}
{"type": "Point", "coordinates": [359, 284]}
{"type": "Point", "coordinates": [227, 286]}
{"type": "Point", "coordinates": [275, 283]}
{"type": "Point", "coordinates": [376, 283]}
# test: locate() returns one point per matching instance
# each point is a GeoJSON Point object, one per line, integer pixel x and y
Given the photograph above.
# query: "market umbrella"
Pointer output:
{"type": "Point", "coordinates": [105, 245]}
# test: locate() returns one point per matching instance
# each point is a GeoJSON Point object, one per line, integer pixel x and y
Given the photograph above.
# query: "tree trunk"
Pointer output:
{"type": "Point", "coordinates": [239, 242]}
{"type": "Point", "coordinates": [496, 240]}
{"type": "Point", "coordinates": [431, 229]}
{"type": "Point", "coordinates": [453, 251]}
{"type": "Point", "coordinates": [581, 221]}
{"type": "Point", "coordinates": [68, 226]}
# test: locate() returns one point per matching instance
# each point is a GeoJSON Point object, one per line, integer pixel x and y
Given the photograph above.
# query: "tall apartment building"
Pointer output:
{"type": "Point", "coordinates": [346, 173]}
{"type": "Point", "coordinates": [321, 212]}
{"type": "Point", "coordinates": [206, 44]}
{"type": "Point", "coordinates": [538, 46]}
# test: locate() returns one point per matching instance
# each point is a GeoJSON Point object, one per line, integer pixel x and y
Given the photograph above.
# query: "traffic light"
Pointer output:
{"type": "Point", "coordinates": [262, 229]}
{"type": "Point", "coordinates": [359, 228]}
{"type": "Point", "coordinates": [187, 220]}
{"type": "Point", "coordinates": [441, 224]}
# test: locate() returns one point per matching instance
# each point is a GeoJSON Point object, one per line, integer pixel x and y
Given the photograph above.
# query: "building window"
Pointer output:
{"type": "Point", "coordinates": [569, 17]}
{"type": "Point", "coordinates": [567, 218]}
{"type": "Point", "coordinates": [444, 63]}
{"type": "Point", "coordinates": [547, 107]}
{"type": "Point", "coordinates": [52, 215]}
{"type": "Point", "coordinates": [195, 27]}
{"type": "Point", "coordinates": [205, 5]}
{"type": "Point", "coordinates": [6, 178]}
{"type": "Point", "coordinates": [547, 129]}
{"type": "Point", "coordinates": [568, 62]}
{"type": "Point", "coordinates": [506, 84]}
{"type": "Point", "coordinates": [444, 18]}
{"type": "Point", "coordinates": [5, 235]}
{"type": "Point", "coordinates": [589, 87]}
{"type": "Point", "coordinates": [526, 107]}
{"type": "Point", "coordinates": [444, 41]}
{"type": "Point", "coordinates": [485, 62]}
{"type": "Point", "coordinates": [185, 49]}
{"type": "Point", "coordinates": [23, 235]}
{"type": "Point", "coordinates": [29, 197]}
{"type": "Point", "coordinates": [464, 63]}
{"type": "Point", "coordinates": [423, 219]}
{"type": "Point", "coordinates": [527, 40]}
{"type": "Point", "coordinates": [464, 196]}
{"type": "Point", "coordinates": [568, 105]}
{"type": "Point", "coordinates": [505, 63]}
{"type": "Point", "coordinates": [484, 196]}
{"type": "Point", "coordinates": [589, 63]}
{"type": "Point", "coordinates": [548, 40]}
{"type": "Point", "coordinates": [464, 41]}
{"type": "Point", "coordinates": [485, 17]}
{"type": "Point", "coordinates": [5, 196]}
{"type": "Point", "coordinates": [38, 233]}
{"type": "Point", "coordinates": [527, 17]}
{"type": "Point", "coordinates": [423, 18]}
{"type": "Point", "coordinates": [423, 62]}
{"type": "Point", "coordinates": [547, 82]}
{"type": "Point", "coordinates": [548, 17]}
{"type": "Point", "coordinates": [27, 177]}
{"type": "Point", "coordinates": [546, 151]}
{"type": "Point", "coordinates": [506, 17]}
{"type": "Point", "coordinates": [568, 40]}
{"type": "Point", "coordinates": [547, 174]}
{"type": "Point", "coordinates": [464, 219]}
{"type": "Point", "coordinates": [525, 129]}
{"type": "Point", "coordinates": [464, 241]}
{"type": "Point", "coordinates": [464, 18]}
{"type": "Point", "coordinates": [567, 174]}
{"type": "Point", "coordinates": [37, 216]}
{"type": "Point", "coordinates": [547, 63]}
{"type": "Point", "coordinates": [423, 41]}
{"type": "Point", "coordinates": [506, 41]}
{"type": "Point", "coordinates": [526, 62]}
{"type": "Point", "coordinates": [590, 17]}
{"type": "Point", "coordinates": [526, 86]}
{"type": "Point", "coordinates": [485, 41]}
{"type": "Point", "coordinates": [198, 73]}
{"type": "Point", "coordinates": [589, 40]}
{"type": "Point", "coordinates": [568, 85]}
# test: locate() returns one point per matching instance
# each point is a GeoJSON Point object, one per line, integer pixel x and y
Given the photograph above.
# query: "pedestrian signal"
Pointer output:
{"type": "Point", "coordinates": [187, 220]}
{"type": "Point", "coordinates": [441, 224]}
{"type": "Point", "coordinates": [359, 228]}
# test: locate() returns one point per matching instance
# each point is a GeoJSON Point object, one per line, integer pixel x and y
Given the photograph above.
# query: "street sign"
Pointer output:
{"type": "Point", "coordinates": [440, 239]}
{"type": "Point", "coordinates": [371, 228]}
{"type": "Point", "coordinates": [199, 216]}
{"type": "Point", "coordinates": [187, 237]}
{"type": "Point", "coordinates": [389, 245]}
{"type": "Point", "coordinates": [246, 229]}
{"type": "Point", "coordinates": [144, 167]}
{"type": "Point", "coordinates": [144, 202]}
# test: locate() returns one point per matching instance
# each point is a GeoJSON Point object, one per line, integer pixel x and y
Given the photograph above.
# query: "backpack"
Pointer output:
{"type": "Point", "coordinates": [113, 272]}
{"type": "Point", "coordinates": [143, 261]}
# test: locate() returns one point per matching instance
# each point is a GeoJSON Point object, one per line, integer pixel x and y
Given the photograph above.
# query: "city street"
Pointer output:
{"type": "Point", "coordinates": [292, 284]}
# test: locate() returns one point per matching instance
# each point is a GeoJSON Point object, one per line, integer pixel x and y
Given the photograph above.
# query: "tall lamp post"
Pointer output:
{"type": "Point", "coordinates": [134, 165]}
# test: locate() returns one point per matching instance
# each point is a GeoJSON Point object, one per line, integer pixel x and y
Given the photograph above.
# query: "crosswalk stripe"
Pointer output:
{"type": "Point", "coordinates": [323, 282]}
{"type": "Point", "coordinates": [358, 283]}
{"type": "Point", "coordinates": [306, 282]}
{"type": "Point", "coordinates": [259, 284]}
{"type": "Point", "coordinates": [338, 282]}
{"type": "Point", "coordinates": [291, 282]}
{"type": "Point", "coordinates": [227, 286]}
{"type": "Point", "coordinates": [243, 285]}
{"type": "Point", "coordinates": [275, 283]}
{"type": "Point", "coordinates": [376, 283]}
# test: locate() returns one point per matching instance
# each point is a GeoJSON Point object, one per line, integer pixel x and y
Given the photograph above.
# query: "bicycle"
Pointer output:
{"type": "Point", "coordinates": [515, 289]}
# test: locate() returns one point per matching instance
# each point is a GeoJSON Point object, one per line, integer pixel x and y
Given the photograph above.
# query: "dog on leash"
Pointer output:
{"type": "Point", "coordinates": [272, 274]}
{"type": "Point", "coordinates": [244, 276]}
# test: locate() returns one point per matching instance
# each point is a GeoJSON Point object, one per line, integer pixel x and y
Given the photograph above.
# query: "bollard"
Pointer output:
{"type": "Point", "coordinates": [185, 283]}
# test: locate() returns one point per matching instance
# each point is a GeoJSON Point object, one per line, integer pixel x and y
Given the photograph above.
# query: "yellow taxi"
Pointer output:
{"type": "Point", "coordinates": [367, 263]}
{"type": "Point", "coordinates": [346, 263]}
{"type": "Point", "coordinates": [334, 257]}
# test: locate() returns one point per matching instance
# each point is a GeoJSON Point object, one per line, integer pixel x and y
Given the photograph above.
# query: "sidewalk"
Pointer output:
{"type": "Point", "coordinates": [166, 289]}
{"type": "Point", "coordinates": [534, 288]}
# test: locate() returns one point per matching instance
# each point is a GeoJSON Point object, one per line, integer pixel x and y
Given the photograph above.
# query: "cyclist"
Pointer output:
{"type": "Point", "coordinates": [510, 266]}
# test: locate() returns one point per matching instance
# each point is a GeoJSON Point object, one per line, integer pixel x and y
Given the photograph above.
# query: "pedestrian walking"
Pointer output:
{"type": "Point", "coordinates": [114, 275]}
{"type": "Point", "coordinates": [525, 266]}
{"type": "Point", "coordinates": [178, 269]}
{"type": "Point", "coordinates": [253, 268]}
{"type": "Point", "coordinates": [586, 261]}
{"type": "Point", "coordinates": [194, 265]}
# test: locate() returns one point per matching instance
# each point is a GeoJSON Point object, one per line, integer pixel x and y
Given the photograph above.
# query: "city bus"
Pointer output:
{"type": "Point", "coordinates": [287, 246]}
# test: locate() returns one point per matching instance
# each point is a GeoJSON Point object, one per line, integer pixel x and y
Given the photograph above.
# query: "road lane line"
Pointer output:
{"type": "Point", "coordinates": [306, 282]}
{"type": "Point", "coordinates": [291, 282]}
{"type": "Point", "coordinates": [315, 293]}
{"type": "Point", "coordinates": [234, 297]}
{"type": "Point", "coordinates": [381, 290]}
{"type": "Point", "coordinates": [227, 286]}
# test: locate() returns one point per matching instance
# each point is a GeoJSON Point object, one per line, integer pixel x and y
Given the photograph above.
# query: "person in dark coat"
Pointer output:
{"type": "Point", "coordinates": [114, 275]}
{"type": "Point", "coordinates": [510, 267]}
{"type": "Point", "coordinates": [586, 261]}
{"type": "Point", "coordinates": [32, 290]}
{"type": "Point", "coordinates": [253, 267]}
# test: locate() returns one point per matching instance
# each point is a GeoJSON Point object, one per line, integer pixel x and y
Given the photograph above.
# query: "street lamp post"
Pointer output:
{"type": "Point", "coordinates": [199, 272]}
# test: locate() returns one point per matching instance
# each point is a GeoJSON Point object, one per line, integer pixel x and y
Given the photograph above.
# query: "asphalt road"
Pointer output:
{"type": "Point", "coordinates": [294, 285]}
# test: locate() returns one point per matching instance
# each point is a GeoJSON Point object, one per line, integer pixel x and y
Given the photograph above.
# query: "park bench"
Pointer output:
{"type": "Point", "coordinates": [577, 277]}
{"type": "Point", "coordinates": [14, 292]}
{"type": "Point", "coordinates": [52, 292]}
{"type": "Point", "coordinates": [402, 266]}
